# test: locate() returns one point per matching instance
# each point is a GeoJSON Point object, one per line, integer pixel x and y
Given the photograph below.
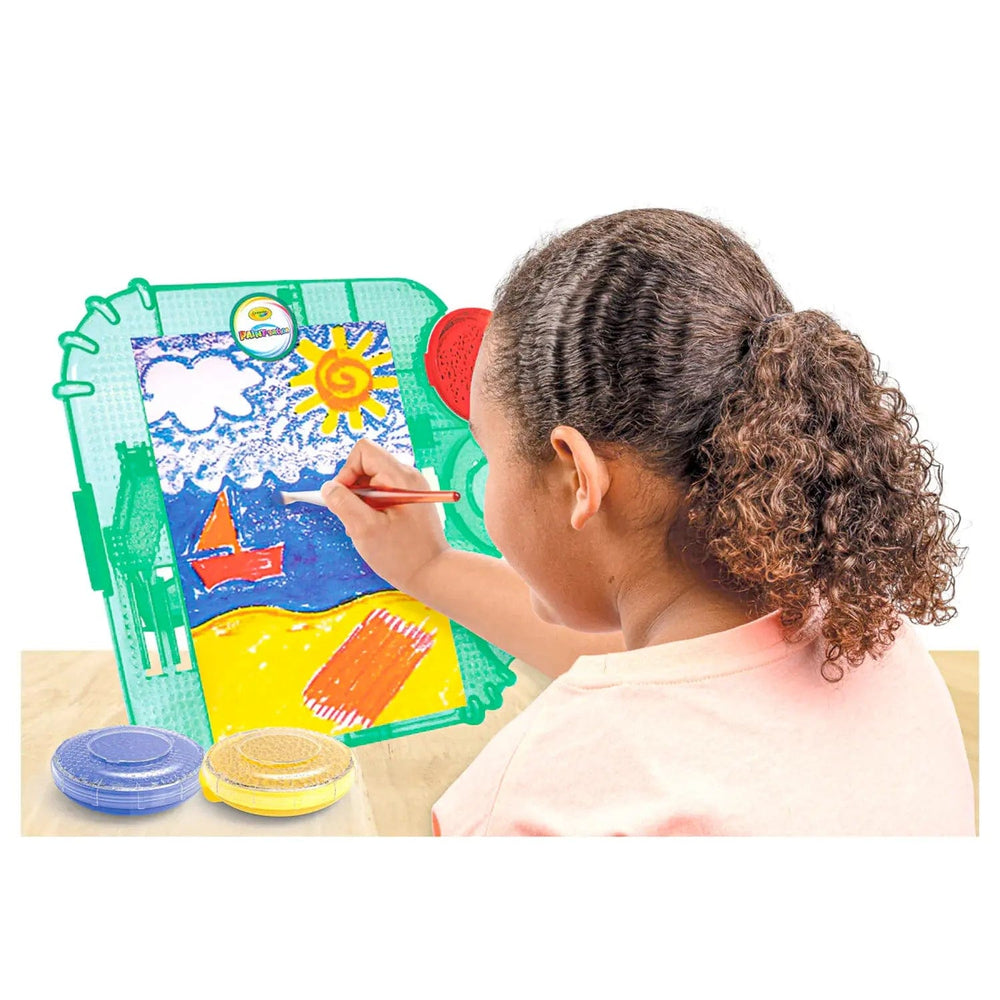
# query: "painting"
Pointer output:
{"type": "Point", "coordinates": [289, 625]}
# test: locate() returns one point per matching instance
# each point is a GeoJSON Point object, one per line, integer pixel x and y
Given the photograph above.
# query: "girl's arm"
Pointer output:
{"type": "Point", "coordinates": [487, 597]}
{"type": "Point", "coordinates": [406, 546]}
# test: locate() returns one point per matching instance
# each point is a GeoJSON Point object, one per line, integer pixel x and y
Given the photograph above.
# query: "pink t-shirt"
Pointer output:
{"type": "Point", "coordinates": [730, 733]}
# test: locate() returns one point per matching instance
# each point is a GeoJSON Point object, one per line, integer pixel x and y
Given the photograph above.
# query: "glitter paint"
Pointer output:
{"type": "Point", "coordinates": [277, 771]}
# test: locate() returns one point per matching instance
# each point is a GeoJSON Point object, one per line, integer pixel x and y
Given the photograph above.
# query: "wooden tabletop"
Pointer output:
{"type": "Point", "coordinates": [63, 693]}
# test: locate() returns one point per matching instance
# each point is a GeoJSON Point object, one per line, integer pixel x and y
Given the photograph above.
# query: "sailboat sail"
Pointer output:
{"type": "Point", "coordinates": [219, 531]}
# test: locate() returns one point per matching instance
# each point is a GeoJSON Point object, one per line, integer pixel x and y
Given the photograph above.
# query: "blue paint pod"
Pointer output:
{"type": "Point", "coordinates": [127, 770]}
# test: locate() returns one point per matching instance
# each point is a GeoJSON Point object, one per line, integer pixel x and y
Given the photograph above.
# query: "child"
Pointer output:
{"type": "Point", "coordinates": [715, 518]}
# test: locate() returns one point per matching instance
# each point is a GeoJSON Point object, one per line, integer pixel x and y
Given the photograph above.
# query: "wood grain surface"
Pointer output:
{"type": "Point", "coordinates": [398, 780]}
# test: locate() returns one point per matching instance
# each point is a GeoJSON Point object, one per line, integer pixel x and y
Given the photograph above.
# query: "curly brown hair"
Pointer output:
{"type": "Point", "coordinates": [804, 480]}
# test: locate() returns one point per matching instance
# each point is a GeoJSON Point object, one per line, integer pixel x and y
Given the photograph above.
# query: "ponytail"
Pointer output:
{"type": "Point", "coordinates": [816, 492]}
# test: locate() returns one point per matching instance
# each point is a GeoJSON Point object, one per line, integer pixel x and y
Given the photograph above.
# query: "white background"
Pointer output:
{"type": "Point", "coordinates": [848, 143]}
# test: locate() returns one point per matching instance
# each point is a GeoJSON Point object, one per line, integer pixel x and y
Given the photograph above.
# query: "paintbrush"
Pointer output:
{"type": "Point", "coordinates": [378, 497]}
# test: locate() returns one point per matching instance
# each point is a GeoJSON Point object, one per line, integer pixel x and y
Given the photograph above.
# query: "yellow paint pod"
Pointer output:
{"type": "Point", "coordinates": [277, 771]}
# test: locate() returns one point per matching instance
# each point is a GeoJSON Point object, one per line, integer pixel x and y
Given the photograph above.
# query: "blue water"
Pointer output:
{"type": "Point", "coordinates": [321, 566]}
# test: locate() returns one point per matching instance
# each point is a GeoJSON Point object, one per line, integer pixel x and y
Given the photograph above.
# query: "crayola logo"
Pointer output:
{"type": "Point", "coordinates": [263, 327]}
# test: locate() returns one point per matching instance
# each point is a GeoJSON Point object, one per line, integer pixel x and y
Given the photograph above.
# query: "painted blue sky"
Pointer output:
{"type": "Point", "coordinates": [216, 413]}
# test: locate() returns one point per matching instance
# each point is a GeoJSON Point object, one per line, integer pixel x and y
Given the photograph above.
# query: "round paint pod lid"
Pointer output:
{"type": "Point", "coordinates": [127, 770]}
{"type": "Point", "coordinates": [277, 771]}
{"type": "Point", "coordinates": [451, 353]}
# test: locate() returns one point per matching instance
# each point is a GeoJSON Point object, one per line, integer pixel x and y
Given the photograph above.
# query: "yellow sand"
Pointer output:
{"type": "Point", "coordinates": [255, 662]}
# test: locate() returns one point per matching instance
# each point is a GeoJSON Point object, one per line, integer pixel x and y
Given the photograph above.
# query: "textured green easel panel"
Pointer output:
{"type": "Point", "coordinates": [120, 507]}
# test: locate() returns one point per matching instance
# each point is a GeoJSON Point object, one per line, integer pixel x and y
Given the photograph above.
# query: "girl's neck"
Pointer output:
{"type": "Point", "coordinates": [666, 585]}
{"type": "Point", "coordinates": [667, 608]}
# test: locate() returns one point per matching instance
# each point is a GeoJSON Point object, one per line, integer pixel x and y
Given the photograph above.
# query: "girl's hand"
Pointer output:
{"type": "Point", "coordinates": [399, 542]}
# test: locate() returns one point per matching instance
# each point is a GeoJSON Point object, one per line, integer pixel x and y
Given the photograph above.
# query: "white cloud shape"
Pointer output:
{"type": "Point", "coordinates": [195, 395]}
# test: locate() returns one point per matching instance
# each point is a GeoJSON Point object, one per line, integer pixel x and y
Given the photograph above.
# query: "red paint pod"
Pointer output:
{"type": "Point", "coordinates": [451, 355]}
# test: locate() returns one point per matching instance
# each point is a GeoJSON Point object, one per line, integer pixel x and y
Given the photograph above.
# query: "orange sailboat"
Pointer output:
{"type": "Point", "coordinates": [219, 532]}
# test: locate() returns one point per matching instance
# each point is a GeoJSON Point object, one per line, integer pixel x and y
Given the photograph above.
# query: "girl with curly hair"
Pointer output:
{"type": "Point", "coordinates": [716, 519]}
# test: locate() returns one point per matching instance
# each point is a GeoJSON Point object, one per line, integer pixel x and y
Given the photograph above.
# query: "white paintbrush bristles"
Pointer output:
{"type": "Point", "coordinates": [309, 496]}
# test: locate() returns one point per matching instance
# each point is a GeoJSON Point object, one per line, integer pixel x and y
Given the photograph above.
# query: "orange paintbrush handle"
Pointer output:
{"type": "Point", "coordinates": [391, 496]}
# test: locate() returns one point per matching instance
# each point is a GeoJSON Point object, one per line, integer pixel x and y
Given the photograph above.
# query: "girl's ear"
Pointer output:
{"type": "Point", "coordinates": [589, 472]}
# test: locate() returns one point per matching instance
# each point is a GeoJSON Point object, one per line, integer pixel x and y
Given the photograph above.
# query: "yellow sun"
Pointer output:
{"type": "Point", "coordinates": [343, 379]}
